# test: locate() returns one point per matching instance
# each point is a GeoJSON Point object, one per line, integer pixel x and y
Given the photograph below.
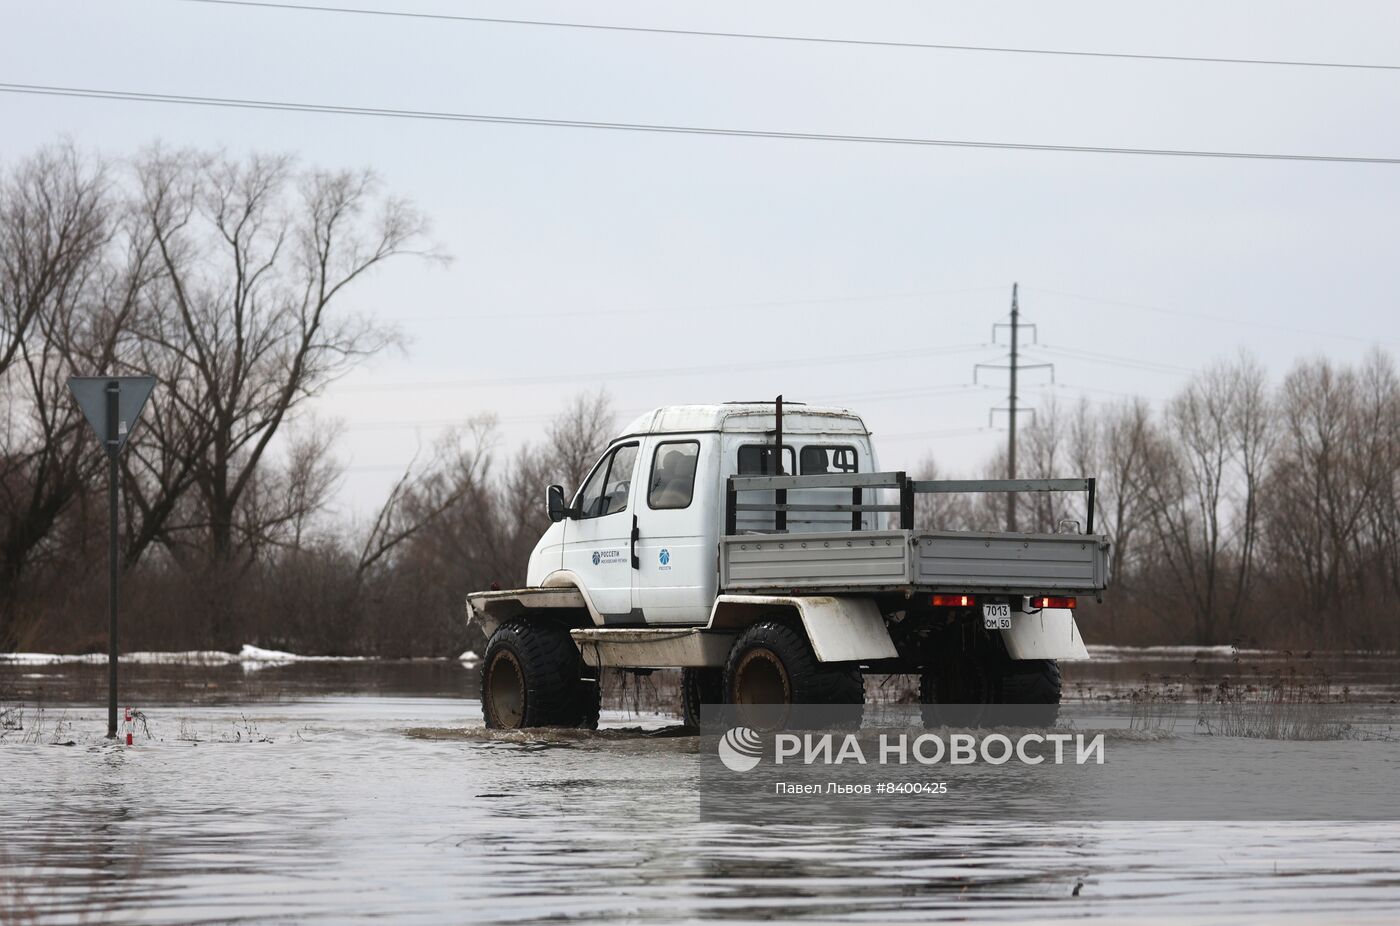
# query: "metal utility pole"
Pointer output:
{"type": "Point", "coordinates": [111, 405]}
{"type": "Point", "coordinates": [1013, 366]}
{"type": "Point", "coordinates": [1011, 409]}
{"type": "Point", "coordinates": [113, 444]}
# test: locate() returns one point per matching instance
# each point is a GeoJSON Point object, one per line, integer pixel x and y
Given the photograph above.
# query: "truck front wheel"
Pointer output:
{"type": "Point", "coordinates": [772, 663]}
{"type": "Point", "coordinates": [532, 676]}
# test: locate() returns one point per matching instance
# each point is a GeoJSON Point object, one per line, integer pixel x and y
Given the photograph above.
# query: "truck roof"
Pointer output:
{"type": "Point", "coordinates": [747, 417]}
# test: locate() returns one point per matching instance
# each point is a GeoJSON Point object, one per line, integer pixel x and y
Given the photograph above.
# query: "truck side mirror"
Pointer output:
{"type": "Point", "coordinates": [558, 508]}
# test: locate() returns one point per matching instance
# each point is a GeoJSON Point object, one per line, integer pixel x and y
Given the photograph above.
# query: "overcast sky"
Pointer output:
{"type": "Point", "coordinates": [632, 261]}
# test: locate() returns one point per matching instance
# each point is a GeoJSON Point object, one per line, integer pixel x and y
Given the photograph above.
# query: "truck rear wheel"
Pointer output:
{"type": "Point", "coordinates": [954, 690]}
{"type": "Point", "coordinates": [699, 686]}
{"type": "Point", "coordinates": [1034, 684]}
{"type": "Point", "coordinates": [772, 663]}
{"type": "Point", "coordinates": [532, 676]}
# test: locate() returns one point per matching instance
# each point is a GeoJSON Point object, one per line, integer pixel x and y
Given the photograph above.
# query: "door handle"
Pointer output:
{"type": "Point", "coordinates": [636, 532]}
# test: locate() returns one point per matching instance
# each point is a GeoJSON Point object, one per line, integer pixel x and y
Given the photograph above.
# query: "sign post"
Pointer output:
{"type": "Point", "coordinates": [111, 405]}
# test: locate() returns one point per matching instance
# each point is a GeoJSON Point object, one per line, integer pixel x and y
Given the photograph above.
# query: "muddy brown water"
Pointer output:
{"type": "Point", "coordinates": [354, 791]}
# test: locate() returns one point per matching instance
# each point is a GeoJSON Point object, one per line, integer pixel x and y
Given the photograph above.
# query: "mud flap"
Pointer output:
{"type": "Point", "coordinates": [1049, 633]}
{"type": "Point", "coordinates": [840, 629]}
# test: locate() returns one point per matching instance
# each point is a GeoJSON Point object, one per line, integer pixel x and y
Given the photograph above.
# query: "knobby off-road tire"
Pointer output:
{"type": "Point", "coordinates": [699, 686]}
{"type": "Point", "coordinates": [532, 676]}
{"type": "Point", "coordinates": [956, 689]}
{"type": "Point", "coordinates": [1034, 686]}
{"type": "Point", "coordinates": [772, 663]}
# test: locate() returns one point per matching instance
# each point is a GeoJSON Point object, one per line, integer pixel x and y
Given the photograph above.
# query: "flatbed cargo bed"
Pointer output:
{"type": "Point", "coordinates": [888, 560]}
{"type": "Point", "coordinates": [903, 558]}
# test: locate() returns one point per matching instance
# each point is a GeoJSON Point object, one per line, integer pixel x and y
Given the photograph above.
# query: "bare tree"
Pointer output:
{"type": "Point", "coordinates": [55, 220]}
{"type": "Point", "coordinates": [578, 435]}
{"type": "Point", "coordinates": [1253, 429]}
{"type": "Point", "coordinates": [936, 510]}
{"type": "Point", "coordinates": [65, 309]}
{"type": "Point", "coordinates": [1055, 442]}
{"type": "Point", "coordinates": [1336, 467]}
{"type": "Point", "coordinates": [253, 258]}
{"type": "Point", "coordinates": [1204, 494]}
{"type": "Point", "coordinates": [1125, 441]}
{"type": "Point", "coordinates": [457, 471]}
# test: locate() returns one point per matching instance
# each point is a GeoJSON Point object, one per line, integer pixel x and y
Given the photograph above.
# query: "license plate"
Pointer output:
{"type": "Point", "coordinates": [996, 617]}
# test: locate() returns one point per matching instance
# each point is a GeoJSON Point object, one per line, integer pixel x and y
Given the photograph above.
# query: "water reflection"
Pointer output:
{"type": "Point", "coordinates": [370, 792]}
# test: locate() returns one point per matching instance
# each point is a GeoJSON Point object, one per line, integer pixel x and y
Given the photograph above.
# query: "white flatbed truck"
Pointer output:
{"type": "Point", "coordinates": [759, 548]}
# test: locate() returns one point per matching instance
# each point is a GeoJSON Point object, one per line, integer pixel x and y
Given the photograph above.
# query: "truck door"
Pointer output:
{"type": "Point", "coordinates": [597, 541]}
{"type": "Point", "coordinates": [677, 528]}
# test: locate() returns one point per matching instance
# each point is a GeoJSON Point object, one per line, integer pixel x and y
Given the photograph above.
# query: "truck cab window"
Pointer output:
{"type": "Point", "coordinates": [673, 474]}
{"type": "Point", "coordinates": [817, 460]}
{"type": "Point", "coordinates": [605, 491]}
{"type": "Point", "coordinates": [759, 460]}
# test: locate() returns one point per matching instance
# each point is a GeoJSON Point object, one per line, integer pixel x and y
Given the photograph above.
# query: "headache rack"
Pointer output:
{"type": "Point", "coordinates": [859, 482]}
{"type": "Point", "coordinates": [866, 558]}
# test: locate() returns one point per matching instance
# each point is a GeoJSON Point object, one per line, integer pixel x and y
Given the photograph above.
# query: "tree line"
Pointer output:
{"type": "Point", "coordinates": [1238, 511]}
{"type": "Point", "coordinates": [225, 278]}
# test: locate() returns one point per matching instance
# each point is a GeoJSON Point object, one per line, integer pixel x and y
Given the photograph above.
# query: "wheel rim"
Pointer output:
{"type": "Point", "coordinates": [761, 678]}
{"type": "Point", "coordinates": [505, 686]}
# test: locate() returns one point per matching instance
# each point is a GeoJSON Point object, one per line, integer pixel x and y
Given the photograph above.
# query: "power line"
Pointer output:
{"type": "Point", "coordinates": [808, 39]}
{"type": "Point", "coordinates": [723, 307]}
{"type": "Point", "coordinates": [1061, 386]}
{"type": "Point", "coordinates": [772, 364]}
{"type": "Point", "coordinates": [1182, 313]}
{"type": "Point", "coordinates": [335, 109]}
{"type": "Point", "coordinates": [400, 424]}
{"type": "Point", "coordinates": [892, 394]}
{"type": "Point", "coordinates": [926, 435]}
{"type": "Point", "coordinates": [1149, 366]}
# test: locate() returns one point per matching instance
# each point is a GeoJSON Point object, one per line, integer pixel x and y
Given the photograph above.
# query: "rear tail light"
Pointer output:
{"type": "Point", "coordinates": [952, 601]}
{"type": "Point", "coordinates": [1053, 601]}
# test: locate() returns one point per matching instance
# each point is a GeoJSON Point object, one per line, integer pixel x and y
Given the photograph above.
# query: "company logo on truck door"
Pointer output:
{"type": "Point", "coordinates": [665, 557]}
{"type": "Point", "coordinates": [607, 557]}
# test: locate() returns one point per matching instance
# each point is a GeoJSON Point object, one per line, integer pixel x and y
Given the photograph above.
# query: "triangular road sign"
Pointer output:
{"type": "Point", "coordinates": [132, 393]}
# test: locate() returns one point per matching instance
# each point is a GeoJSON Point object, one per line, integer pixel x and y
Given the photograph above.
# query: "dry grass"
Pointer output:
{"type": "Point", "coordinates": [35, 726]}
{"type": "Point", "coordinates": [1156, 707]}
{"type": "Point", "coordinates": [1289, 704]}
{"type": "Point", "coordinates": [1291, 700]}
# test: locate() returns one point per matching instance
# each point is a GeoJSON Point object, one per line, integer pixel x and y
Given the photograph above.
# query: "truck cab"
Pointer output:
{"type": "Point", "coordinates": [638, 539]}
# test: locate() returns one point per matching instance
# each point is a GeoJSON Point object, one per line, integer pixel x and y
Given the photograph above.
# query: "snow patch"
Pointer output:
{"type": "Point", "coordinates": [249, 655]}
{"type": "Point", "coordinates": [1218, 653]}
{"type": "Point", "coordinates": [1164, 652]}
{"type": "Point", "coordinates": [469, 658]}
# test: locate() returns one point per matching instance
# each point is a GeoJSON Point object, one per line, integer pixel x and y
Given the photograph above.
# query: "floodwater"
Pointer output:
{"type": "Point", "coordinates": [357, 791]}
